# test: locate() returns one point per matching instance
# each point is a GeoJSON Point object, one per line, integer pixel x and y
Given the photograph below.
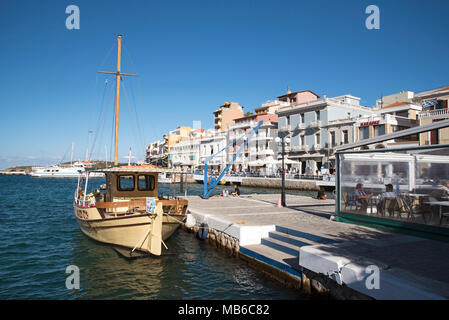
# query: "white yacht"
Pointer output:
{"type": "Point", "coordinates": [60, 171]}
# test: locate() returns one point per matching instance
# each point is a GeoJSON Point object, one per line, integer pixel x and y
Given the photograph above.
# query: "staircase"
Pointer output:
{"type": "Point", "coordinates": [281, 248]}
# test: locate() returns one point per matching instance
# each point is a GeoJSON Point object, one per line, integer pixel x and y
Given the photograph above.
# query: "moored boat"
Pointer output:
{"type": "Point", "coordinates": [59, 171]}
{"type": "Point", "coordinates": [128, 212]}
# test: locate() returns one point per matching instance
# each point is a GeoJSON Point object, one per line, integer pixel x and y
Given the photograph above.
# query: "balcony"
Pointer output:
{"type": "Point", "coordinates": [263, 137]}
{"type": "Point", "coordinates": [300, 126]}
{"type": "Point", "coordinates": [302, 148]}
{"type": "Point", "coordinates": [265, 152]}
{"type": "Point", "coordinates": [434, 114]}
{"type": "Point", "coordinates": [317, 146]}
{"type": "Point", "coordinates": [315, 124]}
{"type": "Point", "coordinates": [284, 128]}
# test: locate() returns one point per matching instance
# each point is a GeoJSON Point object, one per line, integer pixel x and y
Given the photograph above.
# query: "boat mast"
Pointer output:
{"type": "Point", "coordinates": [117, 97]}
{"type": "Point", "coordinates": [118, 75]}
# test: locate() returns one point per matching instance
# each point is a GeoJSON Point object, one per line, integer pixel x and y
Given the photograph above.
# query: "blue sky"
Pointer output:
{"type": "Point", "coordinates": [191, 57]}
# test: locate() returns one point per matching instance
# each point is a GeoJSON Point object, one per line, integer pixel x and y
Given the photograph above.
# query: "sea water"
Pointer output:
{"type": "Point", "coordinates": [40, 238]}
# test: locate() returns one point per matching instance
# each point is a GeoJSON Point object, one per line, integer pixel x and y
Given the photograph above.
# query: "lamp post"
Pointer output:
{"type": "Point", "coordinates": [283, 139]}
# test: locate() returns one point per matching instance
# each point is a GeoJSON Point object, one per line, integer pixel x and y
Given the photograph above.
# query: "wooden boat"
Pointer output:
{"type": "Point", "coordinates": [127, 212]}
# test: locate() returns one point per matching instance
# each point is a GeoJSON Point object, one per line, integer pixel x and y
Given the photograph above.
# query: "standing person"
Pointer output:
{"type": "Point", "coordinates": [236, 192]}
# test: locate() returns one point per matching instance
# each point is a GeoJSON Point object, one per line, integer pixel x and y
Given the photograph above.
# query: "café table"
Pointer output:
{"type": "Point", "coordinates": [440, 204]}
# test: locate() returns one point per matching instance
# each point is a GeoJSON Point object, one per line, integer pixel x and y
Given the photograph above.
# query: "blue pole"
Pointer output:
{"type": "Point", "coordinates": [207, 191]}
{"type": "Point", "coordinates": [205, 180]}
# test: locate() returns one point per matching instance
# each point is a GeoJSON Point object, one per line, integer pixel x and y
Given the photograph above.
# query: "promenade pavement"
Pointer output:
{"type": "Point", "coordinates": [302, 235]}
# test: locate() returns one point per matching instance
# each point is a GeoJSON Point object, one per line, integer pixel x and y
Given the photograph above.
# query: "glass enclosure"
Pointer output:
{"type": "Point", "coordinates": [410, 186]}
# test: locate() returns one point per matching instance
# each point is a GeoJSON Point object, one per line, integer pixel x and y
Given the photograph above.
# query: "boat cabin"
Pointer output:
{"type": "Point", "coordinates": [125, 185]}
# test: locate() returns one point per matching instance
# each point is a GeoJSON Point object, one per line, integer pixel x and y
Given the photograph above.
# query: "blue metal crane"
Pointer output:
{"type": "Point", "coordinates": [209, 186]}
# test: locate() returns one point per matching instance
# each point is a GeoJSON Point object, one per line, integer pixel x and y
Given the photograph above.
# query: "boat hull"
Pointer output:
{"type": "Point", "coordinates": [129, 231]}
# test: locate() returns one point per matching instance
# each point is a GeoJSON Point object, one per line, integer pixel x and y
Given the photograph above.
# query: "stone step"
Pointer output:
{"type": "Point", "coordinates": [282, 246]}
{"type": "Point", "coordinates": [275, 258]}
{"type": "Point", "coordinates": [290, 239]}
{"type": "Point", "coordinates": [305, 235]}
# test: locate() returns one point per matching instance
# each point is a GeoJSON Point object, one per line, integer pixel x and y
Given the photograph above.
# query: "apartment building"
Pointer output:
{"type": "Point", "coordinates": [434, 108]}
{"type": "Point", "coordinates": [155, 153]}
{"type": "Point", "coordinates": [391, 114]}
{"type": "Point", "coordinates": [315, 125]}
{"type": "Point", "coordinates": [260, 154]}
{"type": "Point", "coordinates": [211, 144]}
{"type": "Point", "coordinates": [225, 115]}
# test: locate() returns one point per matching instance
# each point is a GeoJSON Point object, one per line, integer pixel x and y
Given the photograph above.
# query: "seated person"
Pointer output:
{"type": "Point", "coordinates": [442, 193]}
{"type": "Point", "coordinates": [389, 193]}
{"type": "Point", "coordinates": [236, 192]}
{"type": "Point", "coordinates": [321, 195]}
{"type": "Point", "coordinates": [361, 197]}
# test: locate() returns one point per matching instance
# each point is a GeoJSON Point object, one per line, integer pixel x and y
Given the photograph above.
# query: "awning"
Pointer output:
{"type": "Point", "coordinates": [257, 163]}
{"type": "Point", "coordinates": [308, 156]}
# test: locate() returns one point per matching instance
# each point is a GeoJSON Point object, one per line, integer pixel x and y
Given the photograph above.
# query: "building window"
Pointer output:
{"type": "Point", "coordinates": [345, 136]}
{"type": "Point", "coordinates": [403, 114]}
{"type": "Point", "coordinates": [318, 138]}
{"type": "Point", "coordinates": [317, 115]}
{"type": "Point", "coordinates": [301, 118]}
{"type": "Point", "coordinates": [332, 138]}
{"type": "Point", "coordinates": [379, 130]}
{"type": "Point", "coordinates": [303, 141]}
{"type": "Point", "coordinates": [364, 132]}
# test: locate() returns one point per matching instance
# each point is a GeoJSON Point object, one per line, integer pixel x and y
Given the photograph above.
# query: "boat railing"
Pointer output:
{"type": "Point", "coordinates": [169, 206]}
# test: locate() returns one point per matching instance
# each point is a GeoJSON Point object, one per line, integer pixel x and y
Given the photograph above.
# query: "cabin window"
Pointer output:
{"type": "Point", "coordinates": [146, 183]}
{"type": "Point", "coordinates": [125, 183]}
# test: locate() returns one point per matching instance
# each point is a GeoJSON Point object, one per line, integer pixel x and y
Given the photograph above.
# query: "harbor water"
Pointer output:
{"type": "Point", "coordinates": [40, 238]}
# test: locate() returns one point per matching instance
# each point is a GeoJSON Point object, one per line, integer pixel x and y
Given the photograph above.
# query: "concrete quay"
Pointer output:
{"type": "Point", "coordinates": [303, 247]}
{"type": "Point", "coordinates": [276, 183]}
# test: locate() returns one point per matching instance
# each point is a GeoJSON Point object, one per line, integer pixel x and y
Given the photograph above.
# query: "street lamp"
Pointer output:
{"type": "Point", "coordinates": [283, 139]}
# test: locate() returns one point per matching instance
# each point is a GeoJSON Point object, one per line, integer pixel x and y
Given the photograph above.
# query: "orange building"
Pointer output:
{"type": "Point", "coordinates": [226, 114]}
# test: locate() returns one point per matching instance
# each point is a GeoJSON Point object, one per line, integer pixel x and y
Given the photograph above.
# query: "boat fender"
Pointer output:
{"type": "Point", "coordinates": [190, 221]}
{"type": "Point", "coordinates": [203, 231]}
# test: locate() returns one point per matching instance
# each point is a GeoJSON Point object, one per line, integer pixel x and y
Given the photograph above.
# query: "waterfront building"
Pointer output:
{"type": "Point", "coordinates": [191, 152]}
{"type": "Point", "coordinates": [172, 138]}
{"type": "Point", "coordinates": [403, 96]}
{"type": "Point", "coordinates": [185, 154]}
{"type": "Point", "coordinates": [392, 113]}
{"type": "Point", "coordinates": [260, 155]}
{"type": "Point", "coordinates": [226, 114]}
{"type": "Point", "coordinates": [315, 125]}
{"type": "Point", "coordinates": [158, 152]}
{"type": "Point", "coordinates": [210, 144]}
{"type": "Point", "coordinates": [435, 108]}
{"type": "Point", "coordinates": [155, 153]}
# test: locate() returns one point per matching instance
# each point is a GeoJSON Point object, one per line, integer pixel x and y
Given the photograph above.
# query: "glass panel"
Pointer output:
{"type": "Point", "coordinates": [364, 133]}
{"type": "Point", "coordinates": [125, 183]}
{"type": "Point", "coordinates": [146, 183]}
{"type": "Point", "coordinates": [379, 130]}
{"type": "Point", "coordinates": [410, 185]}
